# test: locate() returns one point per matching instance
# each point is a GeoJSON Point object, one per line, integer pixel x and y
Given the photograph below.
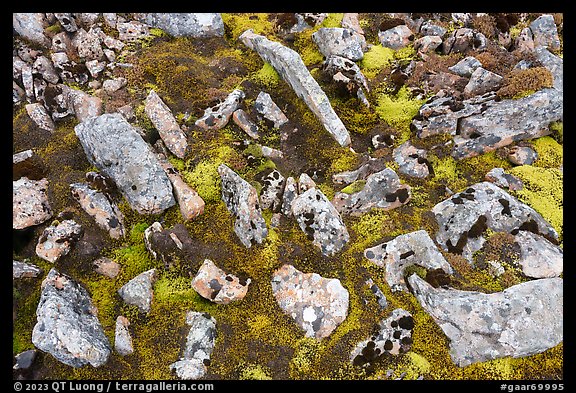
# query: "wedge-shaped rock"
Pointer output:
{"type": "Point", "coordinates": [122, 338]}
{"type": "Point", "coordinates": [415, 248]}
{"type": "Point", "coordinates": [57, 240]}
{"type": "Point", "coordinates": [482, 81]}
{"type": "Point", "coordinates": [196, 25]}
{"type": "Point", "coordinates": [241, 199]}
{"type": "Point", "coordinates": [538, 257]}
{"type": "Point", "coordinates": [199, 346]}
{"type": "Point", "coordinates": [290, 193]}
{"type": "Point", "coordinates": [218, 116]}
{"type": "Point", "coordinates": [163, 120]}
{"type": "Point", "coordinates": [522, 155]}
{"type": "Point", "coordinates": [67, 324]}
{"type": "Point", "coordinates": [523, 320]}
{"type": "Point", "coordinates": [104, 211]}
{"type": "Point", "coordinates": [268, 108]}
{"type": "Point", "coordinates": [216, 285]}
{"type": "Point", "coordinates": [545, 32]}
{"type": "Point", "coordinates": [106, 267]}
{"type": "Point", "coordinates": [464, 217]}
{"type": "Point", "coordinates": [115, 148]}
{"type": "Point", "coordinates": [504, 180]}
{"type": "Point", "coordinates": [24, 270]}
{"type": "Point", "coordinates": [271, 195]}
{"type": "Point", "coordinates": [382, 190]}
{"type": "Point", "coordinates": [30, 205]}
{"type": "Point", "coordinates": [40, 116]}
{"type": "Point", "coordinates": [339, 41]}
{"type": "Point", "coordinates": [372, 166]}
{"type": "Point", "coordinates": [320, 221]}
{"type": "Point", "coordinates": [292, 69]}
{"type": "Point", "coordinates": [138, 291]}
{"type": "Point", "coordinates": [317, 304]}
{"type": "Point", "coordinates": [241, 119]}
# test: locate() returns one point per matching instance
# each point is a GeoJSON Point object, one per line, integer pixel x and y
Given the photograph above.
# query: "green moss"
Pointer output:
{"type": "Point", "coordinates": [54, 29]}
{"type": "Point", "coordinates": [332, 20]}
{"type": "Point", "coordinates": [137, 232]}
{"type": "Point", "coordinates": [156, 32]}
{"type": "Point", "coordinates": [357, 186]}
{"type": "Point", "coordinates": [398, 111]}
{"type": "Point", "coordinates": [237, 24]}
{"type": "Point", "coordinates": [133, 260]}
{"type": "Point", "coordinates": [204, 178]}
{"type": "Point", "coordinates": [255, 371]}
{"type": "Point", "coordinates": [304, 357]}
{"type": "Point", "coordinates": [414, 365]}
{"type": "Point", "coordinates": [557, 129]}
{"type": "Point", "coordinates": [375, 60]}
{"type": "Point", "coordinates": [103, 293]}
{"type": "Point", "coordinates": [522, 94]}
{"type": "Point", "coordinates": [327, 190]}
{"type": "Point", "coordinates": [307, 48]}
{"type": "Point", "coordinates": [254, 150]}
{"type": "Point", "coordinates": [344, 160]}
{"type": "Point", "coordinates": [550, 152]}
{"type": "Point", "coordinates": [267, 76]}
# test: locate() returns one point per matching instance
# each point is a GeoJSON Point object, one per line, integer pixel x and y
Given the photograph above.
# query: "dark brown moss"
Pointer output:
{"type": "Point", "coordinates": [521, 81]}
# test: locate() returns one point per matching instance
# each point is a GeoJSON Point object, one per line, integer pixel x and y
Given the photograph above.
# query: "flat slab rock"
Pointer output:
{"type": "Point", "coordinates": [196, 25]}
{"type": "Point", "coordinates": [463, 218]}
{"type": "Point", "coordinates": [538, 257]}
{"type": "Point", "coordinates": [483, 326]}
{"type": "Point", "coordinates": [317, 304]}
{"type": "Point", "coordinates": [30, 205]}
{"type": "Point", "coordinates": [163, 120]}
{"type": "Point", "coordinates": [24, 270]}
{"type": "Point", "coordinates": [216, 285]}
{"type": "Point", "coordinates": [119, 152]}
{"type": "Point", "coordinates": [67, 324]}
{"type": "Point", "coordinates": [57, 240]}
{"type": "Point", "coordinates": [138, 291]}
{"type": "Point", "coordinates": [415, 248]}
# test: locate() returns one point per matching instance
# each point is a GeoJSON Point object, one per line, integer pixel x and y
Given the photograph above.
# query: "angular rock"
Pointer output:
{"type": "Point", "coordinates": [430, 29]}
{"type": "Point", "coordinates": [196, 25]}
{"type": "Point", "coordinates": [483, 326]}
{"type": "Point", "coordinates": [31, 27]}
{"type": "Point", "coordinates": [320, 221]}
{"type": "Point", "coordinates": [504, 180]}
{"type": "Point", "coordinates": [28, 82]}
{"type": "Point", "coordinates": [163, 120]}
{"type": "Point", "coordinates": [115, 148]}
{"type": "Point", "coordinates": [522, 155]}
{"type": "Point", "coordinates": [104, 211]}
{"type": "Point", "coordinates": [44, 67]}
{"type": "Point", "coordinates": [317, 304]}
{"type": "Point", "coordinates": [271, 153]}
{"type": "Point", "coordinates": [87, 45]}
{"type": "Point", "coordinates": [218, 116]}
{"type": "Point", "coordinates": [427, 43]}
{"type": "Point", "coordinates": [112, 85]}
{"type": "Point", "coordinates": [267, 108]}
{"type": "Point", "coordinates": [168, 244]}
{"type": "Point", "coordinates": [30, 205]}
{"type": "Point", "coordinates": [241, 199]}
{"type": "Point", "coordinates": [394, 338]}
{"type": "Point", "coordinates": [110, 19]}
{"type": "Point", "coordinates": [552, 63]}
{"type": "Point", "coordinates": [216, 285]}
{"type": "Point", "coordinates": [67, 324]}
{"type": "Point", "coordinates": [350, 21]}
{"type": "Point", "coordinates": [338, 41]}
{"type": "Point", "coordinates": [106, 267]}
{"type": "Point", "coordinates": [482, 81]}
{"type": "Point", "coordinates": [538, 257]}
{"type": "Point", "coordinates": [411, 160]}
{"type": "Point", "coordinates": [545, 32]}
{"type": "Point", "coordinates": [464, 217]}
{"type": "Point", "coordinates": [95, 67]}
{"type": "Point", "coordinates": [396, 38]}
{"type": "Point", "coordinates": [348, 73]}
{"type": "Point", "coordinates": [305, 183]}
{"type": "Point", "coordinates": [372, 166]}
{"type": "Point", "coordinates": [380, 297]}
{"type": "Point", "coordinates": [40, 116]}
{"type": "Point", "coordinates": [466, 66]}
{"type": "Point", "coordinates": [24, 270]}
{"type": "Point", "coordinates": [24, 360]}
{"type": "Point", "coordinates": [382, 190]}
{"type": "Point", "coordinates": [67, 21]}
{"type": "Point", "coordinates": [241, 119]}
{"type": "Point", "coordinates": [132, 31]}
{"type": "Point", "coordinates": [61, 43]}
{"type": "Point", "coordinates": [122, 339]}
{"type": "Point", "coordinates": [271, 194]}
{"type": "Point", "coordinates": [27, 163]}
{"type": "Point", "coordinates": [290, 193]}
{"type": "Point", "coordinates": [292, 69]}
{"type": "Point", "coordinates": [57, 240]}
{"type": "Point", "coordinates": [461, 40]}
{"type": "Point", "coordinates": [415, 248]}
{"type": "Point", "coordinates": [156, 227]}
{"type": "Point", "coordinates": [82, 104]}
{"type": "Point", "coordinates": [199, 346]}
{"type": "Point", "coordinates": [138, 291]}
{"type": "Point", "coordinates": [525, 41]}
{"type": "Point", "coordinates": [86, 19]}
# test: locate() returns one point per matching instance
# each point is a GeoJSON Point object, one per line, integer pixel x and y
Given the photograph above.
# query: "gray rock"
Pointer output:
{"type": "Point", "coordinates": [112, 43]}
{"type": "Point", "coordinates": [271, 153]}
{"type": "Point", "coordinates": [241, 119]}
{"type": "Point", "coordinates": [305, 183]}
{"type": "Point", "coordinates": [415, 248]}
{"type": "Point", "coordinates": [380, 297]}
{"type": "Point", "coordinates": [113, 85]}
{"type": "Point", "coordinates": [24, 270]}
{"type": "Point", "coordinates": [106, 267]}
{"type": "Point", "coordinates": [538, 257]}
{"type": "Point", "coordinates": [86, 19]}
{"type": "Point", "coordinates": [138, 291]}
{"type": "Point", "coordinates": [39, 88]}
{"type": "Point", "coordinates": [67, 324]}
{"type": "Point", "coordinates": [115, 148]}
{"type": "Point", "coordinates": [320, 221]}
{"type": "Point", "coordinates": [31, 27]}
{"type": "Point", "coordinates": [216, 285]}
{"type": "Point", "coordinates": [80, 103]}
{"type": "Point", "coordinates": [196, 25]}
{"type": "Point", "coordinates": [482, 81]}
{"type": "Point", "coordinates": [218, 116]}
{"type": "Point", "coordinates": [372, 166]}
{"type": "Point", "coordinates": [338, 41]}
{"type": "Point", "coordinates": [463, 19]}
{"type": "Point", "coordinates": [350, 21]}
{"type": "Point", "coordinates": [122, 339]}
{"type": "Point", "coordinates": [110, 19]}
{"type": "Point", "coordinates": [382, 190]}
{"type": "Point", "coordinates": [427, 43]}
{"type": "Point", "coordinates": [101, 208]}
{"type": "Point", "coordinates": [545, 32]}
{"type": "Point", "coordinates": [28, 82]}
{"type": "Point", "coordinates": [67, 21]}
{"type": "Point", "coordinates": [57, 240]}
{"type": "Point", "coordinates": [30, 205]}
{"type": "Point", "coordinates": [348, 73]}
{"type": "Point", "coordinates": [40, 116]}
{"type": "Point", "coordinates": [292, 69]}
{"type": "Point", "coordinates": [394, 337]}
{"type": "Point", "coordinates": [132, 31]}
{"type": "Point", "coordinates": [241, 199]}
{"type": "Point", "coordinates": [396, 38]}
{"type": "Point", "coordinates": [61, 43]}
{"type": "Point", "coordinates": [44, 67]}
{"type": "Point", "coordinates": [87, 45]}
{"type": "Point", "coordinates": [411, 160]}
{"type": "Point", "coordinates": [459, 41]}
{"type": "Point", "coordinates": [483, 326]}
{"type": "Point", "coordinates": [290, 193]}
{"type": "Point", "coordinates": [525, 41]}
{"type": "Point", "coordinates": [271, 194]}
{"type": "Point", "coordinates": [466, 66]}
{"type": "Point", "coordinates": [428, 28]}
{"type": "Point", "coordinates": [464, 217]}
{"type": "Point", "coordinates": [495, 268]}
{"type": "Point", "coordinates": [267, 108]}
{"type": "Point", "coordinates": [317, 304]}
{"type": "Point", "coordinates": [199, 346]}
{"type": "Point", "coordinates": [163, 120]}
{"type": "Point", "coordinates": [24, 360]}
{"type": "Point", "coordinates": [504, 180]}
{"type": "Point", "coordinates": [95, 67]}
{"type": "Point", "coordinates": [554, 64]}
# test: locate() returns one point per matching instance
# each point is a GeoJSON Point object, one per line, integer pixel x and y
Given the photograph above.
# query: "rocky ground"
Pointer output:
{"type": "Point", "coordinates": [287, 196]}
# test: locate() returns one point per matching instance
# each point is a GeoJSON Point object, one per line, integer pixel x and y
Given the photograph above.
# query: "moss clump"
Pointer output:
{"type": "Point", "coordinates": [375, 60]}
{"type": "Point", "coordinates": [519, 83]}
{"type": "Point", "coordinates": [204, 178]}
{"type": "Point", "coordinates": [357, 186]}
{"type": "Point", "coordinates": [332, 20]}
{"type": "Point", "coordinates": [267, 76]}
{"type": "Point", "coordinates": [557, 129]}
{"type": "Point", "coordinates": [414, 365]}
{"type": "Point", "coordinates": [304, 357]}
{"type": "Point", "coordinates": [236, 24]}
{"type": "Point", "coordinates": [550, 152]}
{"type": "Point", "coordinates": [344, 161]}
{"type": "Point", "coordinates": [307, 49]}
{"type": "Point", "coordinates": [398, 111]}
{"type": "Point", "coordinates": [254, 371]}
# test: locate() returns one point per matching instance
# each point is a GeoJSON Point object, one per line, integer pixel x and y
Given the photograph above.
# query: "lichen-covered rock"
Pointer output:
{"type": "Point", "coordinates": [216, 285]}
{"type": "Point", "coordinates": [382, 190]}
{"type": "Point", "coordinates": [290, 193]}
{"type": "Point", "coordinates": [268, 108]}
{"type": "Point", "coordinates": [545, 32]}
{"type": "Point", "coordinates": [292, 69]}
{"type": "Point", "coordinates": [87, 45]}
{"type": "Point", "coordinates": [163, 120]}
{"type": "Point", "coordinates": [482, 81]}
{"type": "Point", "coordinates": [411, 160]}
{"type": "Point", "coordinates": [350, 21]}
{"type": "Point", "coordinates": [271, 153]}
{"type": "Point", "coordinates": [394, 338]}
{"type": "Point", "coordinates": [241, 119]}
{"type": "Point", "coordinates": [415, 248]}
{"type": "Point", "coordinates": [538, 257]}
{"type": "Point", "coordinates": [466, 66]}
{"type": "Point", "coordinates": [317, 304]}
{"type": "Point", "coordinates": [348, 73]}
{"type": "Point", "coordinates": [372, 166]}
{"type": "Point", "coordinates": [483, 326]}
{"type": "Point", "coordinates": [216, 117]}
{"type": "Point", "coordinates": [24, 360]}
{"type": "Point", "coordinates": [196, 25]}
{"type": "Point", "coordinates": [241, 199]}
{"type": "Point", "coordinates": [459, 41]}
{"type": "Point", "coordinates": [199, 346]}
{"type": "Point", "coordinates": [320, 221]}
{"type": "Point", "coordinates": [428, 28]}
{"type": "Point", "coordinates": [396, 38]}
{"type": "Point", "coordinates": [378, 294]}
{"type": "Point", "coordinates": [106, 267]}
{"type": "Point", "coordinates": [57, 240]}
{"type": "Point", "coordinates": [524, 43]}
{"type": "Point", "coordinates": [24, 270]}
{"type": "Point", "coordinates": [40, 116]}
{"type": "Point", "coordinates": [122, 338]}
{"type": "Point", "coordinates": [272, 189]}
{"type": "Point", "coordinates": [104, 211]}
{"type": "Point", "coordinates": [30, 205]}
{"type": "Point", "coordinates": [138, 291]}
{"type": "Point", "coordinates": [305, 183]}
{"type": "Point", "coordinates": [522, 155]}
{"type": "Point", "coordinates": [27, 163]}
{"type": "Point", "coordinates": [44, 67]}
{"type": "Point", "coordinates": [504, 180]}
{"type": "Point", "coordinates": [115, 148]}
{"type": "Point", "coordinates": [338, 41]}
{"type": "Point", "coordinates": [67, 324]}
{"type": "Point", "coordinates": [81, 104]}
{"type": "Point", "coordinates": [463, 218]}
{"type": "Point", "coordinates": [427, 44]}
{"type": "Point", "coordinates": [112, 85]}
{"type": "Point", "coordinates": [31, 26]}
{"type": "Point", "coordinates": [132, 31]}
{"type": "Point", "coordinates": [67, 21]}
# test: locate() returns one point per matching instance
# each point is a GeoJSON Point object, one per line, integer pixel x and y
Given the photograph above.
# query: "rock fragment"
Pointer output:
{"type": "Point", "coordinates": [106, 267]}
{"type": "Point", "coordinates": [396, 38]}
{"type": "Point", "coordinates": [57, 240]}
{"type": "Point", "coordinates": [538, 257]}
{"type": "Point", "coordinates": [482, 81]}
{"type": "Point", "coordinates": [196, 25]}
{"type": "Point", "coordinates": [267, 108]}
{"type": "Point", "coordinates": [466, 66]}
{"type": "Point", "coordinates": [338, 41]}
{"type": "Point", "coordinates": [24, 360]}
{"type": "Point", "coordinates": [504, 180]}
{"type": "Point", "coordinates": [24, 270]}
{"type": "Point", "coordinates": [272, 189]}
{"type": "Point", "coordinates": [163, 120]}
{"type": "Point", "coordinates": [132, 31]}
{"type": "Point", "coordinates": [216, 117]}
{"type": "Point", "coordinates": [241, 119]}
{"type": "Point", "coordinates": [216, 285]}
{"type": "Point", "coordinates": [31, 26]}
{"type": "Point", "coordinates": [290, 193]}
{"type": "Point", "coordinates": [122, 338]}
{"type": "Point", "coordinates": [545, 32]}
{"type": "Point", "coordinates": [40, 116]}
{"type": "Point", "coordinates": [30, 205]}
{"type": "Point", "coordinates": [411, 160]}
{"type": "Point", "coordinates": [112, 85]}
{"type": "Point", "coordinates": [138, 291]}
{"type": "Point", "coordinates": [522, 155]}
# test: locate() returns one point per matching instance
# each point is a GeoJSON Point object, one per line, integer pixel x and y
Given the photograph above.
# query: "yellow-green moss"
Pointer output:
{"type": "Point", "coordinates": [332, 20]}
{"type": "Point", "coordinates": [255, 371]}
{"type": "Point", "coordinates": [398, 111]}
{"type": "Point", "coordinates": [376, 58]}
{"type": "Point", "coordinates": [239, 23]}
{"type": "Point", "coordinates": [550, 152]}
{"type": "Point", "coordinates": [267, 76]}
{"type": "Point", "coordinates": [307, 48]}
{"type": "Point", "coordinates": [304, 357]}
{"type": "Point", "coordinates": [204, 178]}
{"type": "Point", "coordinates": [357, 186]}
{"type": "Point", "coordinates": [345, 160]}
{"type": "Point", "coordinates": [557, 129]}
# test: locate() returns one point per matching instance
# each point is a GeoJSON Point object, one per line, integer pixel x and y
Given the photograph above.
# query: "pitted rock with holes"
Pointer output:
{"type": "Point", "coordinates": [57, 240]}
{"type": "Point", "coordinates": [30, 205]}
{"type": "Point", "coordinates": [216, 285]}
